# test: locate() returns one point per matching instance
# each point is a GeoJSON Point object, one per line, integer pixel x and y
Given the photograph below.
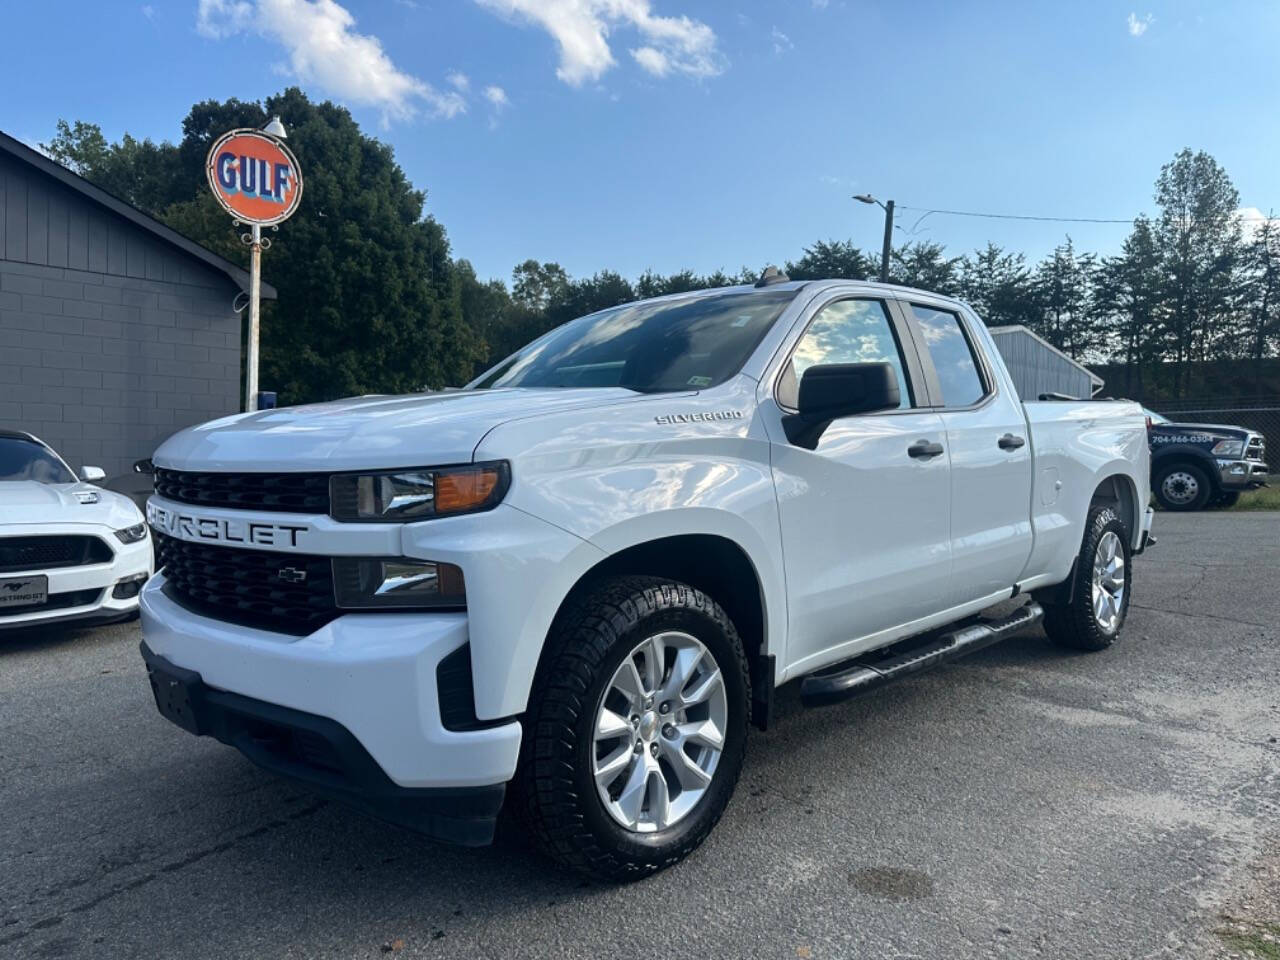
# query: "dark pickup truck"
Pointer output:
{"type": "Point", "coordinates": [1198, 465]}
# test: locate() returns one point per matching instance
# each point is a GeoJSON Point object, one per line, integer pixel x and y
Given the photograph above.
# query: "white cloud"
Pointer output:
{"type": "Point", "coordinates": [148, 11]}
{"type": "Point", "coordinates": [324, 49]}
{"type": "Point", "coordinates": [497, 97]}
{"type": "Point", "coordinates": [1138, 25]}
{"type": "Point", "coordinates": [1251, 221]}
{"type": "Point", "coordinates": [821, 4]}
{"type": "Point", "coordinates": [781, 42]}
{"type": "Point", "coordinates": [459, 81]}
{"type": "Point", "coordinates": [581, 28]}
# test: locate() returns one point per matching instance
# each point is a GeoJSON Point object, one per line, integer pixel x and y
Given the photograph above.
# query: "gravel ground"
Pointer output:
{"type": "Point", "coordinates": [1022, 802]}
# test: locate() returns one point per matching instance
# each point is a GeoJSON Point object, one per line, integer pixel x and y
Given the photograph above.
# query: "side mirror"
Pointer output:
{"type": "Point", "coordinates": [92, 474]}
{"type": "Point", "coordinates": [830, 391]}
{"type": "Point", "coordinates": [144, 466]}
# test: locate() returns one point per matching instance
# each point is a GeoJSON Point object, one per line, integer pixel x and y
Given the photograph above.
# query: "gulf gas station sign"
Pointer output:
{"type": "Point", "coordinates": [254, 176]}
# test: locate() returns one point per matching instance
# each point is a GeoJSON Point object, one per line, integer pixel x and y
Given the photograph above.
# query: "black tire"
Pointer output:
{"type": "Point", "coordinates": [1181, 475]}
{"type": "Point", "coordinates": [1225, 501]}
{"type": "Point", "coordinates": [1073, 624]}
{"type": "Point", "coordinates": [555, 792]}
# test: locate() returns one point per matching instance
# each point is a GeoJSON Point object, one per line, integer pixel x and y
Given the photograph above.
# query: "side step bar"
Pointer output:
{"type": "Point", "coordinates": [853, 678]}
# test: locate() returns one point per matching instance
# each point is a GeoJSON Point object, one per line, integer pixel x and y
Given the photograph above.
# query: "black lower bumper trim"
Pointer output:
{"type": "Point", "coordinates": [321, 754]}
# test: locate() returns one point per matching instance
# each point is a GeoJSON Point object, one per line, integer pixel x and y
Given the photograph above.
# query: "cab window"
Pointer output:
{"type": "Point", "coordinates": [952, 356]}
{"type": "Point", "coordinates": [847, 331]}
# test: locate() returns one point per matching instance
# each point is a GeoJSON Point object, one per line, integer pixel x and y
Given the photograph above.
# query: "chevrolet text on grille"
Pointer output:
{"type": "Point", "coordinates": [219, 530]}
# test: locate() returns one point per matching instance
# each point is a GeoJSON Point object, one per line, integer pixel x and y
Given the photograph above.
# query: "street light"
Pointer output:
{"type": "Point", "coordinates": [275, 128]}
{"type": "Point", "coordinates": [888, 231]}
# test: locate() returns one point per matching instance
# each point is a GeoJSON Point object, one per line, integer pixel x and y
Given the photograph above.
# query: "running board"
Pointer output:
{"type": "Point", "coordinates": [852, 678]}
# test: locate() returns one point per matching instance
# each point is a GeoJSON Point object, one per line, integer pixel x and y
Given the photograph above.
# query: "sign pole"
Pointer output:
{"type": "Point", "coordinates": [256, 179]}
{"type": "Point", "coordinates": [255, 279]}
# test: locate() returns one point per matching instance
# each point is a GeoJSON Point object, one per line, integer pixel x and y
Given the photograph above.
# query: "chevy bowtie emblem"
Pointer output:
{"type": "Point", "coordinates": [291, 574]}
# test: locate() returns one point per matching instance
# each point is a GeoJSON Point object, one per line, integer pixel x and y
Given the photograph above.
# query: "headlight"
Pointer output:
{"type": "Point", "coordinates": [361, 582]}
{"type": "Point", "coordinates": [408, 495]}
{"type": "Point", "coordinates": [132, 534]}
{"type": "Point", "coordinates": [1228, 448]}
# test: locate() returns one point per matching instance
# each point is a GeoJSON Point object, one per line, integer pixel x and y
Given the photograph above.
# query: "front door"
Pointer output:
{"type": "Point", "coordinates": [864, 521]}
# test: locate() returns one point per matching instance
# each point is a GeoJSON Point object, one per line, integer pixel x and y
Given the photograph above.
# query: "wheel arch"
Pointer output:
{"type": "Point", "coordinates": [1119, 492]}
{"type": "Point", "coordinates": [721, 568]}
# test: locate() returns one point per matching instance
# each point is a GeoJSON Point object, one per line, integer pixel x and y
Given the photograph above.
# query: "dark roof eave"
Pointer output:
{"type": "Point", "coordinates": [74, 181]}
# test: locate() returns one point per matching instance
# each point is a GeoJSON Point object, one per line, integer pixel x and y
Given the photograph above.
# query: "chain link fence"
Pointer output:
{"type": "Point", "coordinates": [1260, 414]}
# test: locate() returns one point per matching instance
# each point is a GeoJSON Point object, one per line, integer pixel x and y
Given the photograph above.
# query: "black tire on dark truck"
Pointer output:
{"type": "Point", "coordinates": [1094, 612]}
{"type": "Point", "coordinates": [587, 718]}
{"type": "Point", "coordinates": [1181, 485]}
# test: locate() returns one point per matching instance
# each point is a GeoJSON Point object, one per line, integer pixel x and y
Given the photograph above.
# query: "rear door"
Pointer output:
{"type": "Point", "coordinates": [989, 443]}
{"type": "Point", "coordinates": [866, 545]}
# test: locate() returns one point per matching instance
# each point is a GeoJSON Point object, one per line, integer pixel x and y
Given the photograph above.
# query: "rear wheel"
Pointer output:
{"type": "Point", "coordinates": [637, 724]}
{"type": "Point", "coordinates": [1099, 602]}
{"type": "Point", "coordinates": [1182, 486]}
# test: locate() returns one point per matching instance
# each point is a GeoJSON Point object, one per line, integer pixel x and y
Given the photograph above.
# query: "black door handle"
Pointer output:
{"type": "Point", "coordinates": [1010, 442]}
{"type": "Point", "coordinates": [924, 449]}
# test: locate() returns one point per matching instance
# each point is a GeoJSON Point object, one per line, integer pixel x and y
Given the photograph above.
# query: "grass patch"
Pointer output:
{"type": "Point", "coordinates": [1262, 943]}
{"type": "Point", "coordinates": [1264, 498]}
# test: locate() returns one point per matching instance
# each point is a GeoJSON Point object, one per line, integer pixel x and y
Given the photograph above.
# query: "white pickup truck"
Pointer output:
{"type": "Point", "coordinates": [579, 578]}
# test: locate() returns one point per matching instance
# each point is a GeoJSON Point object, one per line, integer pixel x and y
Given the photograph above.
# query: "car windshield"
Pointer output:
{"type": "Point", "coordinates": [688, 343]}
{"type": "Point", "coordinates": [26, 460]}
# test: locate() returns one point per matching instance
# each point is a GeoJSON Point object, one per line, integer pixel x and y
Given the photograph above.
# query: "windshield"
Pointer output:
{"type": "Point", "coordinates": [24, 460]}
{"type": "Point", "coordinates": [653, 346]}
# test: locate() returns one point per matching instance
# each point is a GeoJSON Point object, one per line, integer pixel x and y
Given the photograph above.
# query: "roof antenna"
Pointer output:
{"type": "Point", "coordinates": [771, 276]}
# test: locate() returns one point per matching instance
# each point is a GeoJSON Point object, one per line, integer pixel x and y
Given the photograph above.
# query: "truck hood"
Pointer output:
{"type": "Point", "coordinates": [27, 502]}
{"type": "Point", "coordinates": [368, 432]}
{"type": "Point", "coordinates": [1224, 429]}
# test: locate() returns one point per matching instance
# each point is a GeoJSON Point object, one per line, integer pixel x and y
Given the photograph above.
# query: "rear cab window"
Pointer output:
{"type": "Point", "coordinates": [956, 364]}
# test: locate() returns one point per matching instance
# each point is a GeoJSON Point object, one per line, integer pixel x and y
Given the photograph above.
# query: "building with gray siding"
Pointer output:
{"type": "Point", "coordinates": [1037, 366]}
{"type": "Point", "coordinates": [115, 331]}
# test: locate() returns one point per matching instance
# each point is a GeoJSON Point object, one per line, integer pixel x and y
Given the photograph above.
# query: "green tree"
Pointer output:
{"type": "Point", "coordinates": [1131, 286]}
{"type": "Point", "coordinates": [832, 260]}
{"type": "Point", "coordinates": [926, 266]}
{"type": "Point", "coordinates": [1067, 315]}
{"type": "Point", "coordinates": [1199, 234]}
{"type": "Point", "coordinates": [998, 285]}
{"type": "Point", "coordinates": [369, 297]}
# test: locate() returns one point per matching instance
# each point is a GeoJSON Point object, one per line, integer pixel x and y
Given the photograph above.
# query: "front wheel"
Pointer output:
{"type": "Point", "coordinates": [636, 729]}
{"type": "Point", "coordinates": [1182, 486]}
{"type": "Point", "coordinates": [1099, 602]}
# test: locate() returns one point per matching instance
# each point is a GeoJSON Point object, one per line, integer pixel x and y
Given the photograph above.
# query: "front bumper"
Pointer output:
{"type": "Point", "coordinates": [1242, 474]}
{"type": "Point", "coordinates": [321, 754]}
{"type": "Point", "coordinates": [374, 674]}
{"type": "Point", "coordinates": [80, 594]}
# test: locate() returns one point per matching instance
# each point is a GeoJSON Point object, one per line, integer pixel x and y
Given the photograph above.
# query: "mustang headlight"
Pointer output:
{"type": "Point", "coordinates": [363, 582]}
{"type": "Point", "coordinates": [132, 534]}
{"type": "Point", "coordinates": [408, 495]}
{"type": "Point", "coordinates": [1228, 448]}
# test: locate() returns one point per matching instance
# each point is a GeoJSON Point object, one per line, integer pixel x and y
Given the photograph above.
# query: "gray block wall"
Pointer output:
{"type": "Point", "coordinates": [110, 339]}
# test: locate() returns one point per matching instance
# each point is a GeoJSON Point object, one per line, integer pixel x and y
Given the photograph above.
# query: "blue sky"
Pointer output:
{"type": "Point", "coordinates": [683, 133]}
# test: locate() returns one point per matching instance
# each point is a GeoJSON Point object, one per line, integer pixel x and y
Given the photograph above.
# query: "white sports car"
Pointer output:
{"type": "Point", "coordinates": [68, 550]}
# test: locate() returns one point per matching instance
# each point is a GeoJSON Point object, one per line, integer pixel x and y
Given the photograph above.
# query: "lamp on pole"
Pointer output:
{"type": "Point", "coordinates": [888, 231]}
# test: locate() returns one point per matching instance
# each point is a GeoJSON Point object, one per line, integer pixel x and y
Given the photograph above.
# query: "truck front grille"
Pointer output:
{"type": "Point", "coordinates": [49, 552]}
{"type": "Point", "coordinates": [282, 592]}
{"type": "Point", "coordinates": [280, 492]}
{"type": "Point", "coordinates": [1256, 450]}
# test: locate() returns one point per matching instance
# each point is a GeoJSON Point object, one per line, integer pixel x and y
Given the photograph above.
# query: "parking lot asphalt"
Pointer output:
{"type": "Point", "coordinates": [1022, 802]}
